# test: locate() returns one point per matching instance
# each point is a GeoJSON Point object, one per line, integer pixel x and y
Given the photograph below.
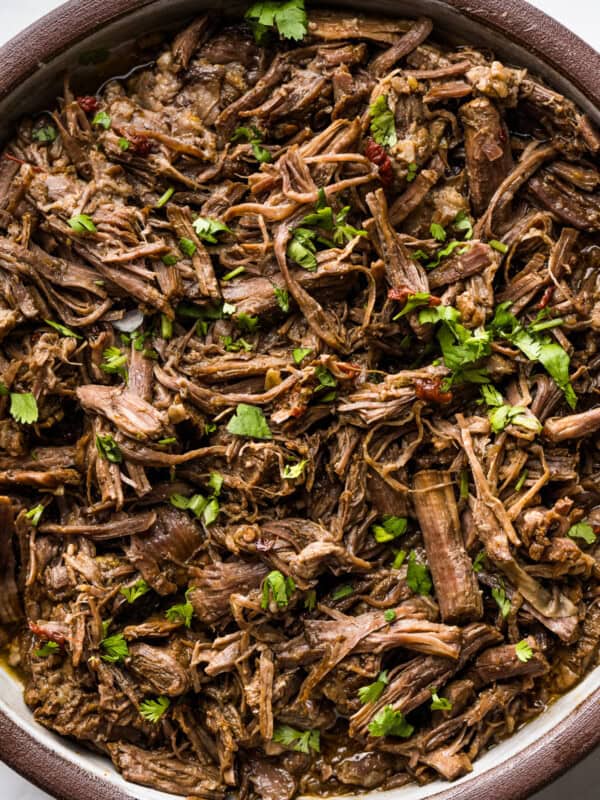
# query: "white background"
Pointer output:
{"type": "Point", "coordinates": [583, 17]}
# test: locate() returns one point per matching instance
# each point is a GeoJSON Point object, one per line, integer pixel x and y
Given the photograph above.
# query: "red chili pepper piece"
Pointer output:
{"type": "Point", "coordinates": [141, 145]}
{"type": "Point", "coordinates": [431, 389]}
{"type": "Point", "coordinates": [546, 297]}
{"type": "Point", "coordinates": [45, 635]}
{"type": "Point", "coordinates": [88, 103]}
{"type": "Point", "coordinates": [377, 155]}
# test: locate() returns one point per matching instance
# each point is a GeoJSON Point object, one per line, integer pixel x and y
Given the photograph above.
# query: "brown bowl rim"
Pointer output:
{"type": "Point", "coordinates": [537, 764]}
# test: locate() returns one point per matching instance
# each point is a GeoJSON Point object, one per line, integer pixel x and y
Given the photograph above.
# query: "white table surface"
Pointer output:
{"type": "Point", "coordinates": [583, 17]}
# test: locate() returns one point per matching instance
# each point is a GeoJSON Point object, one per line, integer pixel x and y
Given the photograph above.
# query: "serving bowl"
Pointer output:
{"type": "Point", "coordinates": [31, 70]}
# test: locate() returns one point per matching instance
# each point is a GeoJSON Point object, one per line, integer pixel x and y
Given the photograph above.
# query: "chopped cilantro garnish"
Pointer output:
{"type": "Point", "coordinates": [292, 471]}
{"type": "Point", "coordinates": [108, 448]}
{"type": "Point", "coordinates": [62, 329]}
{"type": "Point", "coordinates": [582, 530]}
{"type": "Point", "coordinates": [390, 723]}
{"type": "Point", "coordinates": [233, 274]}
{"type": "Point", "coordinates": [82, 223]}
{"type": "Point", "coordinates": [411, 172]}
{"type": "Point", "coordinates": [153, 710]}
{"type": "Point", "coordinates": [439, 703]}
{"type": "Point", "coordinates": [254, 138]}
{"type": "Point", "coordinates": [102, 119]}
{"type": "Point", "coordinates": [23, 407]}
{"type": "Point", "coordinates": [47, 649]}
{"type": "Point", "coordinates": [45, 135]}
{"type": "Point", "coordinates": [300, 353]}
{"type": "Point", "coordinates": [132, 593]}
{"type": "Point", "coordinates": [115, 362]}
{"type": "Point", "coordinates": [383, 122]}
{"type": "Point", "coordinates": [301, 741]}
{"type": "Point", "coordinates": [438, 232]}
{"type": "Point", "coordinates": [187, 247]}
{"type": "Point", "coordinates": [276, 587]}
{"type": "Point", "coordinates": [164, 198]}
{"type": "Point", "coordinates": [342, 591]}
{"type": "Point", "coordinates": [372, 692]}
{"type": "Point", "coordinates": [499, 246]}
{"type": "Point", "coordinates": [182, 612]}
{"type": "Point", "coordinates": [389, 528]}
{"type": "Point", "coordinates": [283, 298]}
{"type": "Point", "coordinates": [208, 229]}
{"type": "Point", "coordinates": [115, 648]}
{"type": "Point", "coordinates": [499, 595]}
{"type": "Point", "coordinates": [35, 514]}
{"type": "Point", "coordinates": [479, 562]}
{"type": "Point", "coordinates": [249, 421]}
{"type": "Point", "coordinates": [523, 651]}
{"type": "Point", "coordinates": [417, 575]}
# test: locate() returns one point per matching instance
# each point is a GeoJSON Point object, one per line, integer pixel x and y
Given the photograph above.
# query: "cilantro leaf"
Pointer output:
{"type": "Point", "coordinates": [399, 559]}
{"type": "Point", "coordinates": [390, 528]}
{"type": "Point", "coordinates": [278, 588]}
{"type": "Point", "coordinates": [439, 703]}
{"type": "Point", "coordinates": [153, 710]}
{"type": "Point", "coordinates": [288, 17]}
{"type": "Point", "coordinates": [182, 612]}
{"type": "Point", "coordinates": [102, 119]}
{"type": "Point", "coordinates": [82, 223]}
{"type": "Point", "coordinates": [208, 229]}
{"type": "Point", "coordinates": [390, 723]}
{"type": "Point", "coordinates": [108, 448]}
{"type": "Point", "coordinates": [582, 530]}
{"type": "Point", "coordinates": [115, 648]}
{"type": "Point", "coordinates": [300, 353]}
{"type": "Point", "coordinates": [499, 595]}
{"type": "Point", "coordinates": [115, 362]}
{"type": "Point", "coordinates": [536, 347]}
{"type": "Point", "coordinates": [499, 246]}
{"type": "Point", "coordinates": [342, 591]}
{"type": "Point", "coordinates": [411, 172]}
{"type": "Point", "coordinates": [310, 600]}
{"type": "Point", "coordinates": [44, 135]}
{"type": "Point", "coordinates": [383, 122]}
{"type": "Point", "coordinates": [164, 198]}
{"type": "Point", "coordinates": [249, 421]}
{"type": "Point", "coordinates": [417, 575]}
{"type": "Point", "coordinates": [254, 139]}
{"type": "Point", "coordinates": [413, 301]}
{"type": "Point", "coordinates": [302, 248]}
{"type": "Point", "coordinates": [301, 741]}
{"type": "Point", "coordinates": [34, 514]}
{"type": "Point", "coordinates": [131, 593]}
{"type": "Point", "coordinates": [187, 247]}
{"type": "Point", "coordinates": [246, 322]}
{"type": "Point", "coordinates": [292, 471]}
{"type": "Point", "coordinates": [283, 298]}
{"type": "Point", "coordinates": [62, 329]}
{"type": "Point", "coordinates": [236, 346]}
{"type": "Point", "coordinates": [372, 692]}
{"type": "Point", "coordinates": [215, 482]}
{"type": "Point", "coordinates": [438, 232]}
{"type": "Point", "coordinates": [462, 223]}
{"type": "Point", "coordinates": [47, 649]}
{"type": "Point", "coordinates": [124, 144]}
{"type": "Point", "coordinates": [389, 615]}
{"type": "Point", "coordinates": [523, 651]}
{"type": "Point", "coordinates": [23, 407]}
{"type": "Point", "coordinates": [479, 562]}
